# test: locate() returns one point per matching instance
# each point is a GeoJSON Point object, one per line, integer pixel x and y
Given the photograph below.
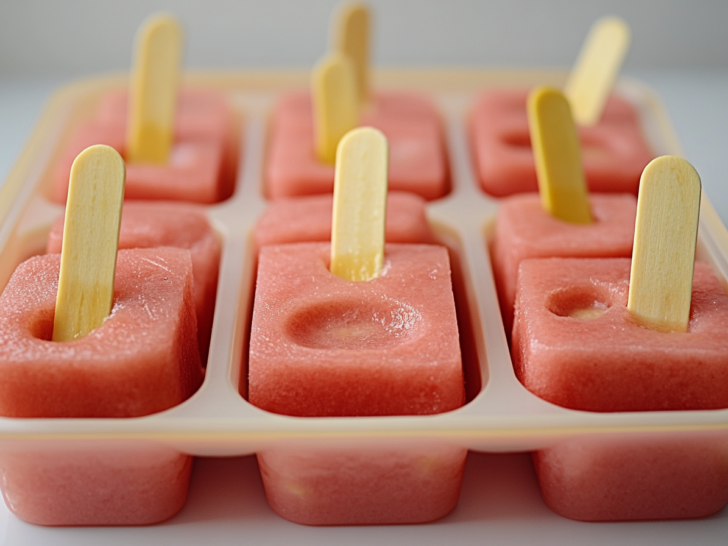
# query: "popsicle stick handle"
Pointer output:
{"type": "Point", "coordinates": [360, 200]}
{"type": "Point", "coordinates": [351, 37]}
{"type": "Point", "coordinates": [90, 242]}
{"type": "Point", "coordinates": [153, 92]}
{"type": "Point", "coordinates": [593, 75]}
{"type": "Point", "coordinates": [663, 256]}
{"type": "Point", "coordinates": [335, 103]}
{"type": "Point", "coordinates": [557, 154]}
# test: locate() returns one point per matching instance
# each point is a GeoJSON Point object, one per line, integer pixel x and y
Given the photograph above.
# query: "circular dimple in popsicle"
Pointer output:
{"type": "Point", "coordinates": [355, 325]}
{"type": "Point", "coordinates": [588, 301]}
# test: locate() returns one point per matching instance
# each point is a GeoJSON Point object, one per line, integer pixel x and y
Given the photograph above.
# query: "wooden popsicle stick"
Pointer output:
{"type": "Point", "coordinates": [90, 242]}
{"type": "Point", "coordinates": [557, 154]}
{"type": "Point", "coordinates": [360, 201]}
{"type": "Point", "coordinates": [663, 256]}
{"type": "Point", "coordinates": [334, 102]}
{"type": "Point", "coordinates": [153, 91]}
{"type": "Point", "coordinates": [351, 37]}
{"type": "Point", "coordinates": [592, 77]}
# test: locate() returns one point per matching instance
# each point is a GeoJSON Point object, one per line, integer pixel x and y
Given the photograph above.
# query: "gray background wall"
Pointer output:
{"type": "Point", "coordinates": [77, 37]}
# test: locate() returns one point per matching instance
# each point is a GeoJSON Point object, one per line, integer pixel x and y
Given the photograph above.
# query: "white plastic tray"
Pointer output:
{"type": "Point", "coordinates": [217, 421]}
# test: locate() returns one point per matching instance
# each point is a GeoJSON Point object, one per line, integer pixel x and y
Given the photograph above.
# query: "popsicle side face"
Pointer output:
{"type": "Point", "coordinates": [576, 345]}
{"type": "Point", "coordinates": [203, 159]}
{"type": "Point", "coordinates": [142, 360]}
{"type": "Point", "coordinates": [614, 151]}
{"type": "Point", "coordinates": [363, 486]}
{"type": "Point", "coordinates": [308, 219]}
{"type": "Point", "coordinates": [180, 225]}
{"type": "Point", "coordinates": [417, 162]}
{"type": "Point", "coordinates": [642, 478]}
{"type": "Point", "coordinates": [525, 230]}
{"type": "Point", "coordinates": [116, 484]}
{"type": "Point", "coordinates": [322, 346]}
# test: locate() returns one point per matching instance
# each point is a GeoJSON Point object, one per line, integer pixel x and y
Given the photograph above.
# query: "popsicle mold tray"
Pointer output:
{"type": "Point", "coordinates": [500, 414]}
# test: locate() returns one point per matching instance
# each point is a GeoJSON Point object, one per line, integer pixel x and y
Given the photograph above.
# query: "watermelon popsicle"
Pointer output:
{"type": "Point", "coordinates": [99, 375]}
{"type": "Point", "coordinates": [156, 224]}
{"type": "Point", "coordinates": [308, 219]}
{"type": "Point", "coordinates": [615, 149]}
{"type": "Point", "coordinates": [410, 122]}
{"type": "Point", "coordinates": [525, 231]}
{"type": "Point", "coordinates": [580, 341]}
{"type": "Point", "coordinates": [307, 126]}
{"type": "Point", "coordinates": [594, 357]}
{"type": "Point", "coordinates": [323, 345]}
{"type": "Point", "coordinates": [181, 148]}
{"type": "Point", "coordinates": [563, 221]}
{"type": "Point", "coordinates": [203, 160]}
{"type": "Point", "coordinates": [109, 336]}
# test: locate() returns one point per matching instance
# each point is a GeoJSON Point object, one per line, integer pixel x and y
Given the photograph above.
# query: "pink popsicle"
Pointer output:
{"type": "Point", "coordinates": [359, 485]}
{"type": "Point", "coordinates": [317, 317]}
{"type": "Point", "coordinates": [614, 150]}
{"type": "Point", "coordinates": [156, 224]}
{"type": "Point", "coordinates": [607, 362]}
{"type": "Point", "coordinates": [102, 483]}
{"type": "Point", "coordinates": [322, 346]}
{"type": "Point", "coordinates": [525, 230]}
{"type": "Point", "coordinates": [204, 156]}
{"type": "Point", "coordinates": [416, 150]}
{"type": "Point", "coordinates": [308, 219]}
{"type": "Point", "coordinates": [142, 360]}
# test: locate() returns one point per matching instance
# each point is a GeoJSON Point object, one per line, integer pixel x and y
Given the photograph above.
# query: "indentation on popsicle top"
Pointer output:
{"type": "Point", "coordinates": [355, 325]}
{"type": "Point", "coordinates": [583, 302]}
{"type": "Point", "coordinates": [40, 326]}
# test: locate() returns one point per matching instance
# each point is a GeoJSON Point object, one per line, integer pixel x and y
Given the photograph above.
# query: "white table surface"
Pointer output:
{"type": "Point", "coordinates": [500, 502]}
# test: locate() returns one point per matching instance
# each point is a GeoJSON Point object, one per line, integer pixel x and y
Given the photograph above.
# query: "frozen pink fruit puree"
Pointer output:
{"type": "Point", "coordinates": [202, 114]}
{"type": "Point", "coordinates": [525, 230]}
{"type": "Point", "coordinates": [156, 224]}
{"type": "Point", "coordinates": [576, 345]}
{"type": "Point", "coordinates": [322, 346]}
{"type": "Point", "coordinates": [117, 483]}
{"type": "Point", "coordinates": [635, 478]}
{"type": "Point", "coordinates": [363, 486]}
{"type": "Point", "coordinates": [610, 363]}
{"type": "Point", "coordinates": [308, 219]}
{"type": "Point", "coordinates": [143, 359]}
{"type": "Point", "coordinates": [202, 163]}
{"type": "Point", "coordinates": [416, 150]}
{"type": "Point", "coordinates": [614, 151]}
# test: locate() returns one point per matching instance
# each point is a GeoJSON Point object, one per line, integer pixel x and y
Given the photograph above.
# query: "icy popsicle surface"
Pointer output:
{"type": "Point", "coordinates": [308, 219]}
{"type": "Point", "coordinates": [575, 344]}
{"type": "Point", "coordinates": [614, 150]}
{"type": "Point", "coordinates": [525, 230]}
{"type": "Point", "coordinates": [322, 346]}
{"type": "Point", "coordinates": [142, 360]}
{"type": "Point", "coordinates": [417, 161]}
{"type": "Point", "coordinates": [156, 224]}
{"type": "Point", "coordinates": [203, 159]}
{"type": "Point", "coordinates": [572, 322]}
{"type": "Point", "coordinates": [337, 348]}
